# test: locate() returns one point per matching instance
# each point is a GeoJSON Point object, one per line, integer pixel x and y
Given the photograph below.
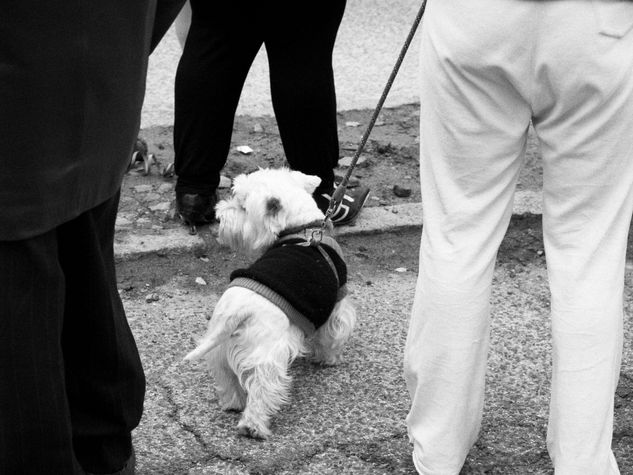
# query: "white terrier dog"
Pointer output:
{"type": "Point", "coordinates": [290, 302]}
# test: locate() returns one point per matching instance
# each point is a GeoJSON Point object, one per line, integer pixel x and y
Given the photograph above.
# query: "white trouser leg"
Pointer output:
{"type": "Point", "coordinates": [488, 66]}
{"type": "Point", "coordinates": [584, 119]}
{"type": "Point", "coordinates": [474, 126]}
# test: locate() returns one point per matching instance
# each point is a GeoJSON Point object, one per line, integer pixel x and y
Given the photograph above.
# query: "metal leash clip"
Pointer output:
{"type": "Point", "coordinates": [316, 237]}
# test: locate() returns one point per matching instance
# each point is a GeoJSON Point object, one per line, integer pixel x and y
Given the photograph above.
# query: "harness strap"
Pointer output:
{"type": "Point", "coordinates": [330, 262]}
{"type": "Point", "coordinates": [324, 241]}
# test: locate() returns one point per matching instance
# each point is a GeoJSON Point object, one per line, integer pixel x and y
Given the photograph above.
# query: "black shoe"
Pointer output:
{"type": "Point", "coordinates": [348, 209]}
{"type": "Point", "coordinates": [194, 208]}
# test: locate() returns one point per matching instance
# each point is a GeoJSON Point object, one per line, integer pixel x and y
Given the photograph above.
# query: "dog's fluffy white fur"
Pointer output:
{"type": "Point", "coordinates": [250, 342]}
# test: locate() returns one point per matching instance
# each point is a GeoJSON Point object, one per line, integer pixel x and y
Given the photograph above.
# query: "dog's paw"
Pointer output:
{"type": "Point", "coordinates": [326, 359]}
{"type": "Point", "coordinates": [234, 405]}
{"type": "Point", "coordinates": [329, 361]}
{"type": "Point", "coordinates": [254, 431]}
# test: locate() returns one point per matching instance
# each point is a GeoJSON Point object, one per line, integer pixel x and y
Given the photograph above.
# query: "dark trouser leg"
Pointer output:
{"type": "Point", "coordinates": [104, 377]}
{"type": "Point", "coordinates": [72, 383]}
{"type": "Point", "coordinates": [302, 84]}
{"type": "Point", "coordinates": [222, 43]}
{"type": "Point", "coordinates": [35, 430]}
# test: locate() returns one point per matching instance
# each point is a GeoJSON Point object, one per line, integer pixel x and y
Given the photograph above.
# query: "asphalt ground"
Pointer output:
{"type": "Point", "coordinates": [348, 419]}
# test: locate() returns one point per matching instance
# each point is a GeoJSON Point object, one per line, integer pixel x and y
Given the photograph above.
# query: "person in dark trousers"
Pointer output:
{"type": "Point", "coordinates": [222, 42]}
{"type": "Point", "coordinates": [72, 80]}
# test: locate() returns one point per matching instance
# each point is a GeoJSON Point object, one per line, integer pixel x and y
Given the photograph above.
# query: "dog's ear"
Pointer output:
{"type": "Point", "coordinates": [308, 182]}
{"type": "Point", "coordinates": [273, 206]}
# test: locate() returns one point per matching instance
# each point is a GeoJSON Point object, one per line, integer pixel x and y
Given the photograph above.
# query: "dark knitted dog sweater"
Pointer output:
{"type": "Point", "coordinates": [298, 278]}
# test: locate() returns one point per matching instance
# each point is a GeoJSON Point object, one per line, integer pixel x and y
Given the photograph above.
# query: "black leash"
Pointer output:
{"type": "Point", "coordinates": [338, 194]}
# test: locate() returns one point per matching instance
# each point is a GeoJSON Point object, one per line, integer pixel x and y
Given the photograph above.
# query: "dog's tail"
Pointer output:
{"type": "Point", "coordinates": [217, 334]}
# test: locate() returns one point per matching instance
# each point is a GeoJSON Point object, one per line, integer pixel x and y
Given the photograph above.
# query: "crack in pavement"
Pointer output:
{"type": "Point", "coordinates": [368, 452]}
{"type": "Point", "coordinates": [174, 416]}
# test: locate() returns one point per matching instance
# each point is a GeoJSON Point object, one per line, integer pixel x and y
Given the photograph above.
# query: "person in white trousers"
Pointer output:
{"type": "Point", "coordinates": [488, 69]}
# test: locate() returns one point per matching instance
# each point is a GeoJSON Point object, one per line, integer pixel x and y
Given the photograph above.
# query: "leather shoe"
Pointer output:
{"type": "Point", "coordinates": [194, 208]}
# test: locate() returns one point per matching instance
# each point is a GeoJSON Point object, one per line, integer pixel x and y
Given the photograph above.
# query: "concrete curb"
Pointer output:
{"type": "Point", "coordinates": [130, 245]}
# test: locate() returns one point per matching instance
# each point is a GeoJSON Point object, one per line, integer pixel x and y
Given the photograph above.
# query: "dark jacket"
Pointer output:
{"type": "Point", "coordinates": [72, 81]}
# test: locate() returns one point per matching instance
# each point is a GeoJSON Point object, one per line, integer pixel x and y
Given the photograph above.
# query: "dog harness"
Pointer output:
{"type": "Point", "coordinates": [304, 278]}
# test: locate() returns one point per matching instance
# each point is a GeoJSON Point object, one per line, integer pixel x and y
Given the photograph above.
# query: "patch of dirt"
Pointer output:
{"type": "Point", "coordinates": [391, 158]}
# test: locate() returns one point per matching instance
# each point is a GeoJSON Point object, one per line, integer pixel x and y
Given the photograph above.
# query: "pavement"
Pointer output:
{"type": "Point", "coordinates": [347, 419]}
{"type": "Point", "coordinates": [134, 243]}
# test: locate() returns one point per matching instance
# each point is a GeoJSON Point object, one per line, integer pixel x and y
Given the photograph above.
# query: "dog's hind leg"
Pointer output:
{"type": "Point", "coordinates": [230, 393]}
{"type": "Point", "coordinates": [267, 383]}
{"type": "Point", "coordinates": [330, 339]}
{"type": "Point", "coordinates": [267, 388]}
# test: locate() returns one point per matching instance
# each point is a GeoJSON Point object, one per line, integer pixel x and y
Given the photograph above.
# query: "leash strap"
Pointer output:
{"type": "Point", "coordinates": [338, 194]}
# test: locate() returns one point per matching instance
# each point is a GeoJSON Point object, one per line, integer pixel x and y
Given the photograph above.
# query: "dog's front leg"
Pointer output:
{"type": "Point", "coordinates": [329, 341]}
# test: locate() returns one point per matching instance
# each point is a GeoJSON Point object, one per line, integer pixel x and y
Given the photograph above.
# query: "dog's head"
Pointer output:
{"type": "Point", "coordinates": [263, 204]}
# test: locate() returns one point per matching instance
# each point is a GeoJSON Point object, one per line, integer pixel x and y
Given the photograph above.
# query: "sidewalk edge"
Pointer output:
{"type": "Point", "coordinates": [130, 246]}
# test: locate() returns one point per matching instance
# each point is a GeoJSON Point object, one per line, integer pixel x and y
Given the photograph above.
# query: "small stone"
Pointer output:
{"type": "Point", "coordinates": [257, 128]}
{"type": "Point", "coordinates": [165, 187]}
{"type": "Point", "coordinates": [200, 281]}
{"type": "Point", "coordinates": [383, 149]}
{"type": "Point", "coordinates": [347, 161]}
{"type": "Point", "coordinates": [152, 197]}
{"type": "Point", "coordinates": [153, 297]}
{"type": "Point", "coordinates": [244, 149]}
{"type": "Point", "coordinates": [164, 206]}
{"type": "Point", "coordinates": [204, 259]}
{"type": "Point", "coordinates": [144, 223]}
{"type": "Point", "coordinates": [122, 222]}
{"type": "Point", "coordinates": [401, 269]}
{"type": "Point", "coordinates": [351, 123]}
{"type": "Point", "coordinates": [225, 182]}
{"type": "Point", "coordinates": [401, 191]}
